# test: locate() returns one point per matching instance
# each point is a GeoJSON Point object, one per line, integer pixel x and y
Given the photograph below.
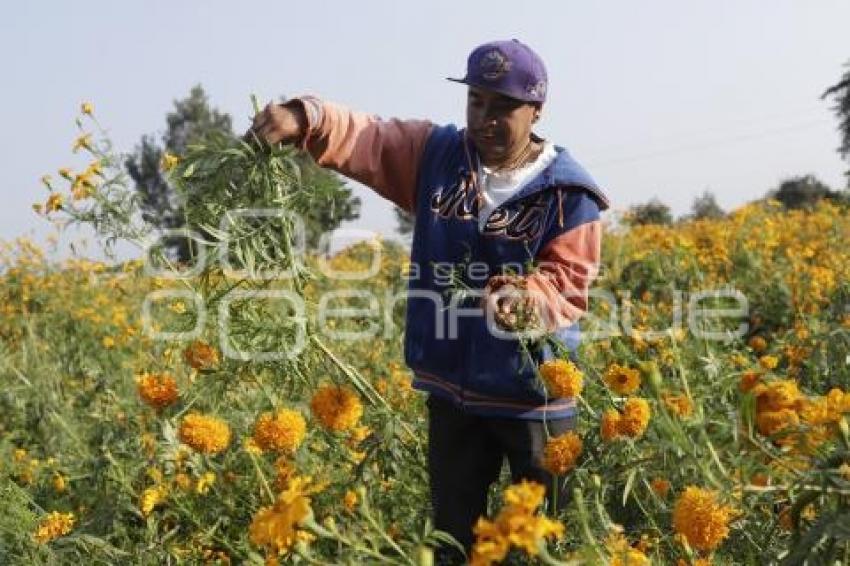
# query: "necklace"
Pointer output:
{"type": "Point", "coordinates": [529, 152]}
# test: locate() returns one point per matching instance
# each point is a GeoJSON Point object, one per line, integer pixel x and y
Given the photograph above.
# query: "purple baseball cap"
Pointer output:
{"type": "Point", "coordinates": [508, 67]}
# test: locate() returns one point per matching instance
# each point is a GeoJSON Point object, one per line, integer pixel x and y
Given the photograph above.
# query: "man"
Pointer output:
{"type": "Point", "coordinates": [488, 200]}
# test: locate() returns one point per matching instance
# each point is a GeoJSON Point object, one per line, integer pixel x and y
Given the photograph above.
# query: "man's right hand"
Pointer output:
{"type": "Point", "coordinates": [278, 123]}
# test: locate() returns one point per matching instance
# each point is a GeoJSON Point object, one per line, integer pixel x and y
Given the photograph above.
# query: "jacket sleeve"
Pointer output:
{"type": "Point", "coordinates": [567, 264]}
{"type": "Point", "coordinates": [382, 154]}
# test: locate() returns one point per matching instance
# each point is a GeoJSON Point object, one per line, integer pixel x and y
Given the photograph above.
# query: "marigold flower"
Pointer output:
{"type": "Point", "coordinates": [282, 431]}
{"type": "Point", "coordinates": [758, 344]}
{"type": "Point", "coordinates": [561, 453]}
{"type": "Point", "coordinates": [660, 486]}
{"type": "Point", "coordinates": [622, 554]}
{"type": "Point", "coordinates": [610, 425]}
{"type": "Point", "coordinates": [157, 390]}
{"type": "Point", "coordinates": [87, 108]}
{"type": "Point", "coordinates": [622, 379]}
{"type": "Point", "coordinates": [53, 526]}
{"type": "Point", "coordinates": [350, 500]}
{"type": "Point", "coordinates": [202, 486]}
{"type": "Point", "coordinates": [749, 379]}
{"type": "Point", "coordinates": [54, 202]}
{"type": "Point", "coordinates": [204, 433]}
{"type": "Point", "coordinates": [66, 173]}
{"type": "Point", "coordinates": [768, 362]}
{"type": "Point", "coordinates": [82, 142]}
{"type": "Point", "coordinates": [771, 422]}
{"type": "Point", "coordinates": [678, 404]}
{"type": "Point", "coordinates": [701, 519]}
{"type": "Point", "coordinates": [200, 355]}
{"type": "Point", "coordinates": [336, 408]}
{"type": "Point", "coordinates": [169, 161]}
{"type": "Point", "coordinates": [59, 483]}
{"type": "Point", "coordinates": [635, 417]}
{"type": "Point", "coordinates": [151, 498]}
{"type": "Point", "coordinates": [276, 527]}
{"type": "Point", "coordinates": [776, 395]}
{"type": "Point", "coordinates": [516, 525]}
{"type": "Point", "coordinates": [562, 378]}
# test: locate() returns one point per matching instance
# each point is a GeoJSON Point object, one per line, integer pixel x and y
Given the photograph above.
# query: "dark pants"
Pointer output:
{"type": "Point", "coordinates": [465, 454]}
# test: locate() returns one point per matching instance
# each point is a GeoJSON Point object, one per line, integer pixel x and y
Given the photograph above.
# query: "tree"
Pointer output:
{"type": "Point", "coordinates": [840, 92]}
{"type": "Point", "coordinates": [705, 207]}
{"type": "Point", "coordinates": [193, 121]}
{"type": "Point", "coordinates": [652, 212]}
{"type": "Point", "coordinates": [803, 191]}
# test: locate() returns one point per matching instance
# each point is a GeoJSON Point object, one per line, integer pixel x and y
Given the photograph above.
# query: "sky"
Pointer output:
{"type": "Point", "coordinates": [658, 99]}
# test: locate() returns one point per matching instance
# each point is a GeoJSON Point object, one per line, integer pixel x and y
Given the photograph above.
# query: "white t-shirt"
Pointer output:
{"type": "Point", "coordinates": [499, 186]}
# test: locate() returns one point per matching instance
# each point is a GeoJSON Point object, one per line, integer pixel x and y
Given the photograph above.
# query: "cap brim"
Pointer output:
{"type": "Point", "coordinates": [464, 81]}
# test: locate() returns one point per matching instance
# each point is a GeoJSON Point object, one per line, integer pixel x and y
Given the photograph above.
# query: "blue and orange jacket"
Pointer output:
{"type": "Point", "coordinates": [549, 232]}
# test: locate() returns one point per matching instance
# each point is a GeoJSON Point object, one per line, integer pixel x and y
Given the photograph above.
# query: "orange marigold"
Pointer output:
{"type": "Point", "coordinates": [562, 378]}
{"type": "Point", "coordinates": [701, 519]}
{"type": "Point", "coordinates": [282, 431]}
{"type": "Point", "coordinates": [635, 417]}
{"type": "Point", "coordinates": [200, 355]}
{"type": "Point", "coordinates": [749, 379]}
{"type": "Point", "coordinates": [771, 422]}
{"type": "Point", "coordinates": [561, 453]}
{"type": "Point", "coordinates": [660, 486]}
{"type": "Point", "coordinates": [336, 408]}
{"type": "Point", "coordinates": [622, 379]}
{"type": "Point", "coordinates": [157, 389]}
{"type": "Point", "coordinates": [610, 425]}
{"type": "Point", "coordinates": [758, 344]}
{"type": "Point", "coordinates": [678, 404]}
{"type": "Point", "coordinates": [204, 433]}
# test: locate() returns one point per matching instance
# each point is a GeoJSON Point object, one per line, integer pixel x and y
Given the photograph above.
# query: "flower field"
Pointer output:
{"type": "Point", "coordinates": [136, 427]}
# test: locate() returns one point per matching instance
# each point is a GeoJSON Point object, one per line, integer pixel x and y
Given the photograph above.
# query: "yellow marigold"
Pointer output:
{"type": "Point", "coordinates": [169, 161]}
{"type": "Point", "coordinates": [281, 431]}
{"type": "Point", "coordinates": [758, 344]}
{"type": "Point", "coordinates": [635, 417]}
{"type": "Point", "coordinates": [776, 395]}
{"type": "Point", "coordinates": [200, 355]}
{"type": "Point", "coordinates": [53, 526]}
{"type": "Point", "coordinates": [625, 555]}
{"type": "Point", "coordinates": [660, 486]}
{"type": "Point", "coordinates": [701, 519]}
{"type": "Point", "coordinates": [275, 528]}
{"type": "Point", "coordinates": [610, 425]}
{"type": "Point", "coordinates": [336, 408]}
{"type": "Point", "coordinates": [768, 362]}
{"type": "Point", "coordinates": [517, 525]}
{"type": "Point", "coordinates": [157, 390]}
{"type": "Point", "coordinates": [202, 486]}
{"type": "Point", "coordinates": [204, 434]}
{"type": "Point", "coordinates": [622, 379]}
{"type": "Point", "coordinates": [82, 142]}
{"type": "Point", "coordinates": [151, 498]}
{"type": "Point", "coordinates": [87, 108]}
{"type": "Point", "coordinates": [285, 471]}
{"type": "Point", "coordinates": [350, 500]}
{"type": "Point", "coordinates": [561, 453]}
{"type": "Point", "coordinates": [562, 378]}
{"type": "Point", "coordinates": [59, 483]}
{"type": "Point", "coordinates": [678, 404]}
{"type": "Point", "coordinates": [54, 202]}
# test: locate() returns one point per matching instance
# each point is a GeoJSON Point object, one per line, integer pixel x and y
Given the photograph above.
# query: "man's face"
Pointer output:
{"type": "Point", "coordinates": [498, 125]}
